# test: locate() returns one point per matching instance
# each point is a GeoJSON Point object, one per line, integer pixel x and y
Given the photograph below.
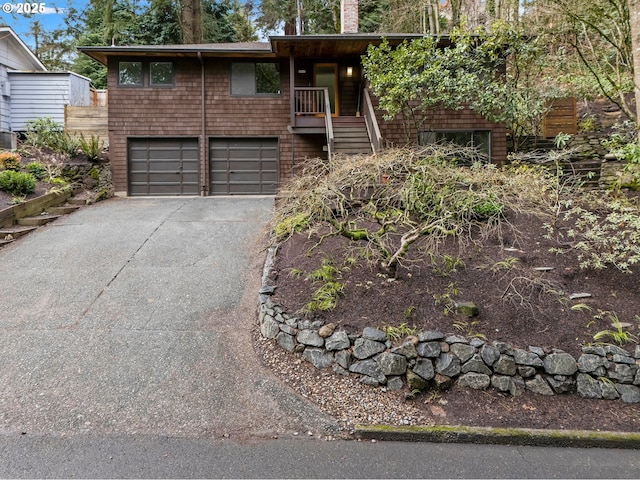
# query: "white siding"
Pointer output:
{"type": "Point", "coordinates": [5, 104]}
{"type": "Point", "coordinates": [36, 95]}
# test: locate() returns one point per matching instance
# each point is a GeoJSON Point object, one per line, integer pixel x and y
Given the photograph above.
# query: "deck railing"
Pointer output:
{"type": "Point", "coordinates": [315, 101]}
{"type": "Point", "coordinates": [372, 123]}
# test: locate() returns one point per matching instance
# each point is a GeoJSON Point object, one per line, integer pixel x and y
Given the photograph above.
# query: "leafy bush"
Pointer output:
{"type": "Point", "coordinates": [37, 169]}
{"type": "Point", "coordinates": [9, 161]}
{"type": "Point", "coordinates": [17, 183]}
{"type": "Point", "coordinates": [68, 144]}
{"type": "Point", "coordinates": [44, 132]}
{"type": "Point", "coordinates": [92, 148]}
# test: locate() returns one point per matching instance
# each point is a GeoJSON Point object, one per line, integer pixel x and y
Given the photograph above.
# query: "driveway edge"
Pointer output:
{"type": "Point", "coordinates": [500, 436]}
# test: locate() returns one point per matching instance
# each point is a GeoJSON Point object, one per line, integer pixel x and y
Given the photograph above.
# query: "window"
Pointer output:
{"type": "Point", "coordinates": [130, 73]}
{"type": "Point", "coordinates": [261, 78]}
{"type": "Point", "coordinates": [161, 73]}
{"type": "Point", "coordinates": [480, 139]}
{"type": "Point", "coordinates": [139, 74]}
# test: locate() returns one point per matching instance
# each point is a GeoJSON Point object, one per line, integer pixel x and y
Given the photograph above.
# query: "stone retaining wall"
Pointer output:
{"type": "Point", "coordinates": [431, 359]}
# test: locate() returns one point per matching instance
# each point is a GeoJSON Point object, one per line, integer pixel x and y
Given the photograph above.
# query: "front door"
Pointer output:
{"type": "Point", "coordinates": [326, 75]}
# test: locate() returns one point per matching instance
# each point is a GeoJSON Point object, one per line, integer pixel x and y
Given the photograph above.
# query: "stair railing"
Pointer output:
{"type": "Point", "coordinates": [315, 101]}
{"type": "Point", "coordinates": [372, 123]}
{"type": "Point", "coordinates": [328, 123]}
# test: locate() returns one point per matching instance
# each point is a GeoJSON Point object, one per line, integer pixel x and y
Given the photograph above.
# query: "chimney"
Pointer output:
{"type": "Point", "coordinates": [348, 16]}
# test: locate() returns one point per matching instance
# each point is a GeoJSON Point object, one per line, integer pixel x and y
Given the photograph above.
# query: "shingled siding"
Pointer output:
{"type": "Point", "coordinates": [453, 120]}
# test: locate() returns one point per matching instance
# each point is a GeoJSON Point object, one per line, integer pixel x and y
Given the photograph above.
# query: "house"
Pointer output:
{"type": "Point", "coordinates": [221, 119]}
{"type": "Point", "coordinates": [29, 91]}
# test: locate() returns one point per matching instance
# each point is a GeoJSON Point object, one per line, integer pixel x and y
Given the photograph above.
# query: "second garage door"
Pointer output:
{"type": "Point", "coordinates": [243, 166]}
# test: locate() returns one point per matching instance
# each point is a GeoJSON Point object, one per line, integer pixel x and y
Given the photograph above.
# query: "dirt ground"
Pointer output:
{"type": "Point", "coordinates": [523, 292]}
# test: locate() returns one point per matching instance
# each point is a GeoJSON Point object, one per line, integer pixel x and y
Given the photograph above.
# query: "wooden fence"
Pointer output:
{"type": "Point", "coordinates": [87, 121]}
{"type": "Point", "coordinates": [561, 117]}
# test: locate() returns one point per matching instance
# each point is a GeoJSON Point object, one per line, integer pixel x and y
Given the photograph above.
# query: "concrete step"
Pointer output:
{"type": "Point", "coordinates": [37, 221]}
{"type": "Point", "coordinates": [63, 209]}
{"type": "Point", "coordinates": [15, 231]}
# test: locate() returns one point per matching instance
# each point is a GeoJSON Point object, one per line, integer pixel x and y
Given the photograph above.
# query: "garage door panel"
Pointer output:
{"type": "Point", "coordinates": [243, 166]}
{"type": "Point", "coordinates": [163, 166]}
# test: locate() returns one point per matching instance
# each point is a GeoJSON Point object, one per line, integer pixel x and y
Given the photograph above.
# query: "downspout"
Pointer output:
{"type": "Point", "coordinates": [203, 133]}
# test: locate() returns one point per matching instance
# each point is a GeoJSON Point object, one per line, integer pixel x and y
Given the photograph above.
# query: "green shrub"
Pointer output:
{"type": "Point", "coordinates": [92, 148]}
{"type": "Point", "coordinates": [68, 144]}
{"type": "Point", "coordinates": [44, 132]}
{"type": "Point", "coordinates": [36, 169]}
{"type": "Point", "coordinates": [17, 183]}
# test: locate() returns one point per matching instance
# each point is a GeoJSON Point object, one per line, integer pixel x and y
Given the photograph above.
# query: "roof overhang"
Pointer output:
{"type": "Point", "coordinates": [302, 46]}
{"type": "Point", "coordinates": [31, 61]}
{"type": "Point", "coordinates": [234, 50]}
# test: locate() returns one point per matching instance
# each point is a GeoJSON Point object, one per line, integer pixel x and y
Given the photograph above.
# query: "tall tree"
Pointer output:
{"type": "Point", "coordinates": [634, 27]}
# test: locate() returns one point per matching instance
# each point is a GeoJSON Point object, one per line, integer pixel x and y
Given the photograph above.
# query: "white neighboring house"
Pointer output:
{"type": "Point", "coordinates": [28, 91]}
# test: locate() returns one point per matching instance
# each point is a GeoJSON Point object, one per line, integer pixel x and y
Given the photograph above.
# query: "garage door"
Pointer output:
{"type": "Point", "coordinates": [163, 166]}
{"type": "Point", "coordinates": [243, 166]}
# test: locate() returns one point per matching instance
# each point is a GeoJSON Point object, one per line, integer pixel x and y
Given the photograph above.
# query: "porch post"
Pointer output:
{"type": "Point", "coordinates": [292, 90]}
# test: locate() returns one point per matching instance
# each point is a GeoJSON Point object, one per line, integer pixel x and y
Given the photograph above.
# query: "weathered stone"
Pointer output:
{"type": "Point", "coordinates": [370, 381]}
{"type": "Point", "coordinates": [269, 328]}
{"type": "Point", "coordinates": [588, 387]}
{"type": "Point", "coordinates": [448, 365]}
{"type": "Point", "coordinates": [444, 347]}
{"type": "Point", "coordinates": [560, 364]}
{"type": "Point", "coordinates": [310, 338]}
{"type": "Point", "coordinates": [292, 322]}
{"type": "Point", "coordinates": [505, 365]}
{"type": "Point", "coordinates": [318, 357]}
{"type": "Point", "coordinates": [636, 381]}
{"type": "Point", "coordinates": [477, 342]}
{"type": "Point", "coordinates": [609, 391]}
{"type": "Point", "coordinates": [522, 357]}
{"type": "Point", "coordinates": [622, 373]}
{"type": "Point", "coordinates": [453, 339]}
{"type": "Point", "coordinates": [365, 348]}
{"type": "Point", "coordinates": [626, 359]}
{"type": "Point", "coordinates": [327, 330]}
{"type": "Point", "coordinates": [538, 385]}
{"type": "Point", "coordinates": [424, 368]}
{"type": "Point", "coordinates": [504, 348]}
{"type": "Point", "coordinates": [442, 382]}
{"type": "Point", "coordinates": [429, 349]}
{"type": "Point", "coordinates": [374, 334]}
{"type": "Point", "coordinates": [468, 309]}
{"type": "Point", "coordinates": [562, 383]}
{"type": "Point", "coordinates": [628, 393]}
{"type": "Point", "coordinates": [477, 381]}
{"type": "Point", "coordinates": [537, 350]}
{"type": "Point", "coordinates": [310, 324]}
{"type": "Point", "coordinates": [588, 362]}
{"type": "Point", "coordinates": [489, 354]}
{"type": "Point", "coordinates": [462, 351]}
{"type": "Point", "coordinates": [615, 350]}
{"type": "Point", "coordinates": [500, 382]}
{"type": "Point", "coordinates": [407, 350]}
{"type": "Point", "coordinates": [289, 330]}
{"type": "Point", "coordinates": [395, 383]}
{"type": "Point", "coordinates": [370, 368]}
{"type": "Point", "coordinates": [286, 341]}
{"type": "Point", "coordinates": [391, 363]}
{"type": "Point", "coordinates": [337, 341]}
{"type": "Point", "coordinates": [636, 353]}
{"type": "Point", "coordinates": [526, 372]}
{"type": "Point", "coordinates": [594, 350]}
{"type": "Point", "coordinates": [430, 336]}
{"type": "Point", "coordinates": [517, 386]}
{"type": "Point", "coordinates": [280, 318]}
{"type": "Point", "coordinates": [475, 364]}
{"type": "Point", "coordinates": [415, 381]}
{"type": "Point", "coordinates": [343, 358]}
{"type": "Point", "coordinates": [340, 370]}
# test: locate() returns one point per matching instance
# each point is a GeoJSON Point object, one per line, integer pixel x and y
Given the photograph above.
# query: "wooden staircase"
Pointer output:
{"type": "Point", "coordinates": [23, 224]}
{"type": "Point", "coordinates": [350, 136]}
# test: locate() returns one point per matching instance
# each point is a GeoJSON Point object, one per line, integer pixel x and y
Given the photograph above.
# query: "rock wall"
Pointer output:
{"type": "Point", "coordinates": [431, 359]}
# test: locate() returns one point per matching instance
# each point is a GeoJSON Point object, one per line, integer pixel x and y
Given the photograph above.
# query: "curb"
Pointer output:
{"type": "Point", "coordinates": [500, 436]}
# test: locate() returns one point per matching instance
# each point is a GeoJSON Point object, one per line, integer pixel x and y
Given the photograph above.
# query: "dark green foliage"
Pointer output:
{"type": "Point", "coordinates": [36, 169]}
{"type": "Point", "coordinates": [17, 183]}
{"type": "Point", "coordinates": [92, 147]}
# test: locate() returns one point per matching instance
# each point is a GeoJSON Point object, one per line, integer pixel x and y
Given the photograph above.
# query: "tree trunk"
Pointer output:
{"type": "Point", "coordinates": [190, 19]}
{"type": "Point", "coordinates": [634, 23]}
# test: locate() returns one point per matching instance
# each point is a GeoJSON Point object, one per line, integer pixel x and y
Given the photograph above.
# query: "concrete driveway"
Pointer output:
{"type": "Point", "coordinates": [136, 316]}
